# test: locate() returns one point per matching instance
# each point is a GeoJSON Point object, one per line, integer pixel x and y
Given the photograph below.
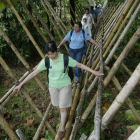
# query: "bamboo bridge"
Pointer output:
{"type": "Point", "coordinates": [113, 26]}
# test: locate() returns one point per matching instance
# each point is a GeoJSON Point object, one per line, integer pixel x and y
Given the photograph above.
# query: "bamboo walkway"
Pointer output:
{"type": "Point", "coordinates": [113, 26]}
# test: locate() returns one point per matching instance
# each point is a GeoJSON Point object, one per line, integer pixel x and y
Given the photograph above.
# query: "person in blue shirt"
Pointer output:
{"type": "Point", "coordinates": [94, 13]}
{"type": "Point", "coordinates": [76, 46]}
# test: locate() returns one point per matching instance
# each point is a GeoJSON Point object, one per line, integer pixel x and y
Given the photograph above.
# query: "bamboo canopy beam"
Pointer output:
{"type": "Point", "coordinates": [40, 19]}
{"type": "Point", "coordinates": [33, 21]}
{"type": "Point", "coordinates": [25, 28]}
{"type": "Point", "coordinates": [63, 27]}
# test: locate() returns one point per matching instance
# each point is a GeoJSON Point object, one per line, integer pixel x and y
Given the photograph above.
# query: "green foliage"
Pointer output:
{"type": "Point", "coordinates": [48, 135]}
{"type": "Point", "coordinates": [133, 127]}
{"type": "Point", "coordinates": [129, 116]}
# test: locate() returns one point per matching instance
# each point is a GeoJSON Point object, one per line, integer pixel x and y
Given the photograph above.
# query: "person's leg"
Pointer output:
{"type": "Point", "coordinates": [65, 101]}
{"type": "Point", "coordinates": [78, 57]}
{"type": "Point", "coordinates": [64, 114]}
{"type": "Point", "coordinates": [72, 53]}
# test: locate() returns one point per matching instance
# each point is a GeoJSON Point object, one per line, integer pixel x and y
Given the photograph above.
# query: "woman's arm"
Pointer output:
{"type": "Point", "coordinates": [84, 67]}
{"type": "Point", "coordinates": [29, 77]}
{"type": "Point", "coordinates": [95, 43]}
{"type": "Point", "coordinates": [62, 42]}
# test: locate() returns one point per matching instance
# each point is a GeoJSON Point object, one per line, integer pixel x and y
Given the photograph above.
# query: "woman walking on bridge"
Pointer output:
{"type": "Point", "coordinates": [59, 81]}
{"type": "Point", "coordinates": [78, 44]}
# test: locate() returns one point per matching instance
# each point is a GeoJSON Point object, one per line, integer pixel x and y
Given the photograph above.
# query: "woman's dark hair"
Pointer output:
{"type": "Point", "coordinates": [87, 9]}
{"type": "Point", "coordinates": [91, 7]}
{"type": "Point", "coordinates": [79, 23]}
{"type": "Point", "coordinates": [50, 47]}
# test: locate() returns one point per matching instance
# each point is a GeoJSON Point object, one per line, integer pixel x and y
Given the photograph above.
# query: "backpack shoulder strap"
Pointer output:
{"type": "Point", "coordinates": [66, 61]}
{"type": "Point", "coordinates": [84, 36]}
{"type": "Point", "coordinates": [71, 32]}
{"type": "Point", "coordinates": [47, 64]}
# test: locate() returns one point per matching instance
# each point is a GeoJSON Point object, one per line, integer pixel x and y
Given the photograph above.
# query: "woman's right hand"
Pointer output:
{"type": "Point", "coordinates": [97, 73]}
{"type": "Point", "coordinates": [17, 88]}
{"type": "Point", "coordinates": [58, 46]}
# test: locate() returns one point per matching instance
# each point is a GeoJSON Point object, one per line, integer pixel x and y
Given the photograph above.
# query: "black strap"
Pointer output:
{"type": "Point", "coordinates": [66, 61]}
{"type": "Point", "coordinates": [47, 64]}
{"type": "Point", "coordinates": [84, 37]}
{"type": "Point", "coordinates": [83, 32]}
{"type": "Point", "coordinates": [71, 34]}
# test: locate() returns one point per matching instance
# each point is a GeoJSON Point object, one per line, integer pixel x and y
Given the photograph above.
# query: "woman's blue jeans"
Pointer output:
{"type": "Point", "coordinates": [77, 54]}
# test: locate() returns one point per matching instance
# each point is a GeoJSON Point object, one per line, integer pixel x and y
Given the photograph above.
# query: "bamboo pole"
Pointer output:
{"type": "Point", "coordinates": [38, 111]}
{"type": "Point", "coordinates": [97, 117]}
{"type": "Point", "coordinates": [10, 93]}
{"type": "Point", "coordinates": [133, 17]}
{"type": "Point", "coordinates": [56, 28]}
{"type": "Point", "coordinates": [31, 102]}
{"type": "Point", "coordinates": [6, 68]}
{"type": "Point", "coordinates": [97, 59]}
{"type": "Point", "coordinates": [120, 99]}
{"type": "Point", "coordinates": [40, 19]}
{"type": "Point", "coordinates": [25, 28]}
{"type": "Point", "coordinates": [63, 27]}
{"type": "Point", "coordinates": [36, 136]}
{"type": "Point", "coordinates": [124, 53]}
{"type": "Point", "coordinates": [10, 43]}
{"type": "Point", "coordinates": [33, 21]}
{"type": "Point", "coordinates": [7, 128]}
{"type": "Point", "coordinates": [135, 135]}
{"type": "Point", "coordinates": [128, 3]}
{"type": "Point", "coordinates": [116, 66]}
{"type": "Point", "coordinates": [88, 110]}
{"type": "Point", "coordinates": [122, 96]}
{"type": "Point", "coordinates": [128, 101]}
{"type": "Point", "coordinates": [72, 111]}
{"type": "Point", "coordinates": [121, 26]}
{"type": "Point", "coordinates": [78, 111]}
